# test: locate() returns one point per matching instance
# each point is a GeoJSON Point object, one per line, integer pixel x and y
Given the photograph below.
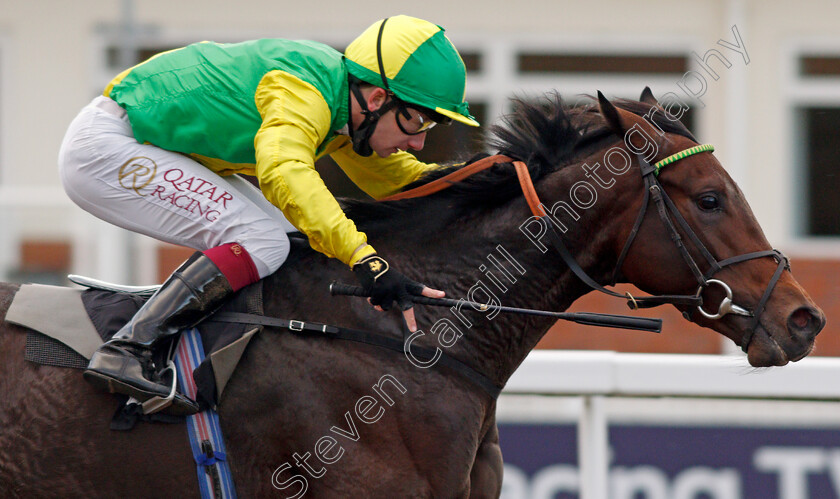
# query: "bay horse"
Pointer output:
{"type": "Point", "coordinates": [307, 415]}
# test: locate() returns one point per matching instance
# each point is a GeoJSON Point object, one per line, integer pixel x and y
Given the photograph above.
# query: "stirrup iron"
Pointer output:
{"type": "Point", "coordinates": [156, 404]}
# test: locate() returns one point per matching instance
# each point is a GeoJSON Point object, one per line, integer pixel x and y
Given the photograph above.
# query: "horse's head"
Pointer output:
{"type": "Point", "coordinates": [724, 248]}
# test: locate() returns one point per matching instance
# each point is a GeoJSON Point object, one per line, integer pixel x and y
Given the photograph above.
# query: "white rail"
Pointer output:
{"type": "Point", "coordinates": [597, 375]}
{"type": "Point", "coordinates": [626, 374]}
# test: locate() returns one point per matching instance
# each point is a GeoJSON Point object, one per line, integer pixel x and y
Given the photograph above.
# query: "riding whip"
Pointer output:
{"type": "Point", "coordinates": [585, 318]}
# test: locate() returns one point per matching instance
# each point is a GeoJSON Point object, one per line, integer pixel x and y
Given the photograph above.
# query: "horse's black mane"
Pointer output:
{"type": "Point", "coordinates": [547, 135]}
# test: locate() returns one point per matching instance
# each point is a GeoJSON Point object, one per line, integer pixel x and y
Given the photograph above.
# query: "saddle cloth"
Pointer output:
{"type": "Point", "coordinates": [67, 325]}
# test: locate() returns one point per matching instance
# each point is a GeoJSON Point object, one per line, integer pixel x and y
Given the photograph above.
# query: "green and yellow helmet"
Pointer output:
{"type": "Point", "coordinates": [420, 65]}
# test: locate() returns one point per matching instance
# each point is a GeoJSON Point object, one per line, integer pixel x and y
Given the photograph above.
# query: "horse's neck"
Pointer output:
{"type": "Point", "coordinates": [482, 257]}
{"type": "Point", "coordinates": [497, 344]}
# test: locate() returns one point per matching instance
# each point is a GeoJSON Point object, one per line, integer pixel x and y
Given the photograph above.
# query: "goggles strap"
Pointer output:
{"type": "Point", "coordinates": [401, 107]}
{"type": "Point", "coordinates": [379, 56]}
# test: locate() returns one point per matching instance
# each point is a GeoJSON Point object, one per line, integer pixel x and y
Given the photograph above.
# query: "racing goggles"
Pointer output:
{"type": "Point", "coordinates": [414, 121]}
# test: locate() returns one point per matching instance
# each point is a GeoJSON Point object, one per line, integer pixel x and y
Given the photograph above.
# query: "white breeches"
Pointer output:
{"type": "Point", "coordinates": [163, 194]}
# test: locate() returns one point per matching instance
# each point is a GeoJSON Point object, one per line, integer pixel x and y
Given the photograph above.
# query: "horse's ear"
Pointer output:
{"type": "Point", "coordinates": [648, 98]}
{"type": "Point", "coordinates": [611, 114]}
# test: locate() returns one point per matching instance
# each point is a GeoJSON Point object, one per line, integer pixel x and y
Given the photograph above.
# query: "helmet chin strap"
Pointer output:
{"type": "Point", "coordinates": [360, 136]}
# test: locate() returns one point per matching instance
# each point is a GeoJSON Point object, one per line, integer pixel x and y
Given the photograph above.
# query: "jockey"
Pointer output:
{"type": "Point", "coordinates": [156, 154]}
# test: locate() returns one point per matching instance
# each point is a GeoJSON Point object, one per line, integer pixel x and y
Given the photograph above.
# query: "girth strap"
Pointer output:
{"type": "Point", "coordinates": [343, 333]}
{"type": "Point", "coordinates": [215, 480]}
{"type": "Point", "coordinates": [262, 320]}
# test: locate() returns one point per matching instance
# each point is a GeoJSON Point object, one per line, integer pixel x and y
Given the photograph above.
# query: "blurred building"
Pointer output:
{"type": "Point", "coordinates": [761, 80]}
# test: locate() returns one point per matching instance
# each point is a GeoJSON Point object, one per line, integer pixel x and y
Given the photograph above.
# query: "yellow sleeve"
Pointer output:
{"type": "Point", "coordinates": [295, 120]}
{"type": "Point", "coordinates": [378, 176]}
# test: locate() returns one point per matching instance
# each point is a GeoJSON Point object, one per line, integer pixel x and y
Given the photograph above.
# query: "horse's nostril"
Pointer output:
{"type": "Point", "coordinates": [806, 321]}
{"type": "Point", "coordinates": [800, 318]}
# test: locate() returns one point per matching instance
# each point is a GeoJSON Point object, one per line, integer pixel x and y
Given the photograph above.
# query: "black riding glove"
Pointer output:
{"type": "Point", "coordinates": [385, 285]}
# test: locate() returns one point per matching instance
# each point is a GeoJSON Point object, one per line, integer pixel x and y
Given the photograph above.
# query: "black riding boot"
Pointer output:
{"type": "Point", "coordinates": [124, 363]}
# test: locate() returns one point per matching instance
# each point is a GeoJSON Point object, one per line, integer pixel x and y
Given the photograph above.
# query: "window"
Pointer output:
{"type": "Point", "coordinates": [810, 65]}
{"type": "Point", "coordinates": [815, 87]}
{"type": "Point", "coordinates": [820, 129]}
{"type": "Point", "coordinates": [599, 63]}
{"type": "Point", "coordinates": [113, 56]}
{"type": "Point", "coordinates": [472, 61]}
{"type": "Point", "coordinates": [605, 68]}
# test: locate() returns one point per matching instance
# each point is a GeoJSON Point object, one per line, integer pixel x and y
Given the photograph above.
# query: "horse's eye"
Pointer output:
{"type": "Point", "coordinates": [708, 202]}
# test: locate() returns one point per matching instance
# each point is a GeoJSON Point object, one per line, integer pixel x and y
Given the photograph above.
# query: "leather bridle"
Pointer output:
{"type": "Point", "coordinates": [668, 212]}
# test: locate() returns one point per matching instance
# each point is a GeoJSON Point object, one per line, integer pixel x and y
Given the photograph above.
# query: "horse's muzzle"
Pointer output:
{"type": "Point", "coordinates": [790, 344]}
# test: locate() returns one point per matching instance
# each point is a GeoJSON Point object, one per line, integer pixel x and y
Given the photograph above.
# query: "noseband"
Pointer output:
{"type": "Point", "coordinates": [667, 213]}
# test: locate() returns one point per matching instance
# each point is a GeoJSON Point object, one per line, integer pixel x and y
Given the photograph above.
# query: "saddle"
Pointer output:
{"type": "Point", "coordinates": [66, 325]}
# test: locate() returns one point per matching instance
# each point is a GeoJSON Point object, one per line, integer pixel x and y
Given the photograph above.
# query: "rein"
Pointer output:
{"type": "Point", "coordinates": [666, 209]}
{"type": "Point", "coordinates": [450, 179]}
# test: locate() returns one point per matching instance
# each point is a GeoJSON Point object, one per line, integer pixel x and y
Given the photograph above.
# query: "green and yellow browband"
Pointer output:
{"type": "Point", "coordinates": [682, 154]}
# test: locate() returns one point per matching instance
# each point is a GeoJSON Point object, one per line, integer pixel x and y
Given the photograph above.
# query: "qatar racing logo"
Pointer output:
{"type": "Point", "coordinates": [137, 173]}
